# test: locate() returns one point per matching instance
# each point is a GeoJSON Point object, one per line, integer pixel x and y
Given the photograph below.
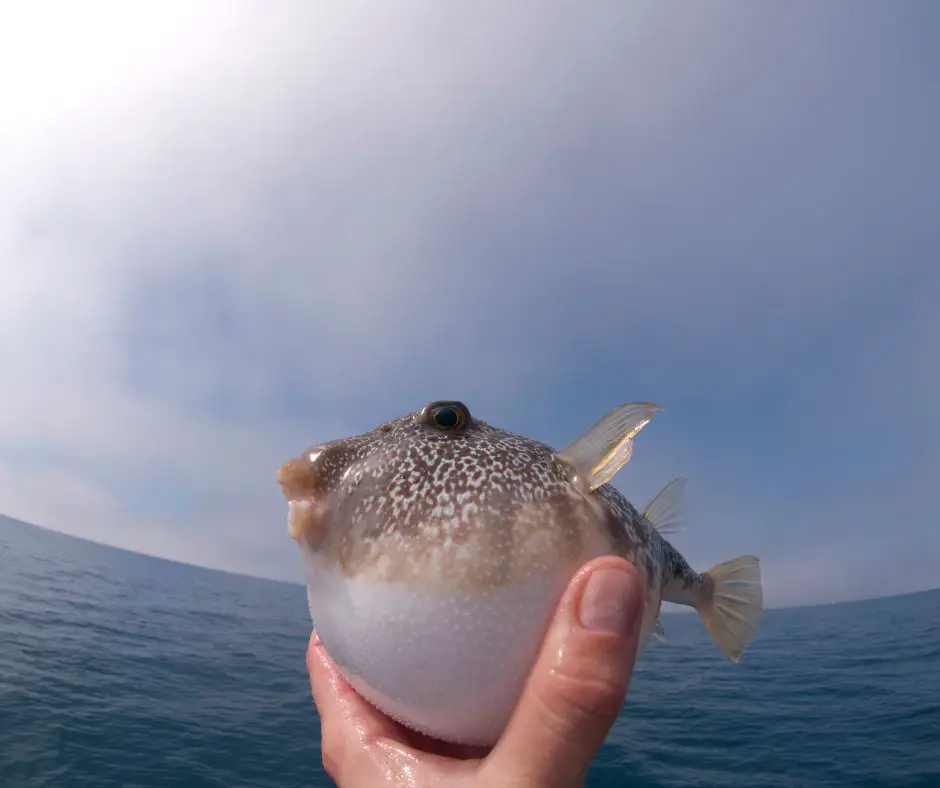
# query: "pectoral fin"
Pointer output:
{"type": "Point", "coordinates": [600, 452]}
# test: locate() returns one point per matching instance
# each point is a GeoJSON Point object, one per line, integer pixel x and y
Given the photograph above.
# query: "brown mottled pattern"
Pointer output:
{"type": "Point", "coordinates": [475, 508]}
{"type": "Point", "coordinates": [681, 583]}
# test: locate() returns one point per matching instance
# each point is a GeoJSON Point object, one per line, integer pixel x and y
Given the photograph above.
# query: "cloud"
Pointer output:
{"type": "Point", "coordinates": [229, 234]}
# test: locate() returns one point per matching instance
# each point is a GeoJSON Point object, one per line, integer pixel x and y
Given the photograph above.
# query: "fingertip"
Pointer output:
{"type": "Point", "coordinates": [610, 599]}
{"type": "Point", "coordinates": [318, 666]}
{"type": "Point", "coordinates": [605, 562]}
{"type": "Point", "coordinates": [605, 596]}
{"type": "Point", "coordinates": [312, 644]}
{"type": "Point", "coordinates": [338, 704]}
{"type": "Point", "coordinates": [309, 654]}
{"type": "Point", "coordinates": [579, 682]}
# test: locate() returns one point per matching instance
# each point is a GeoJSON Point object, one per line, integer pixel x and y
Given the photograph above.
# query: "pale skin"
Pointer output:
{"type": "Point", "coordinates": [571, 700]}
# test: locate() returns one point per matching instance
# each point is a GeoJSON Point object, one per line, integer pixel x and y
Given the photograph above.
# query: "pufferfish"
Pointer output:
{"type": "Point", "coordinates": [436, 548]}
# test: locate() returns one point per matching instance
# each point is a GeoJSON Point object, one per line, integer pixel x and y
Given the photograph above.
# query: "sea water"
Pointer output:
{"type": "Point", "coordinates": [121, 670]}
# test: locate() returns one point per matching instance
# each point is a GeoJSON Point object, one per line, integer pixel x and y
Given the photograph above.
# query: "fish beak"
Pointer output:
{"type": "Point", "coordinates": [302, 488]}
{"type": "Point", "coordinates": [297, 476]}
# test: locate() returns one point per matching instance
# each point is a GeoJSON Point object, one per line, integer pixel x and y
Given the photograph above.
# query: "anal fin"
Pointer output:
{"type": "Point", "coordinates": [659, 634]}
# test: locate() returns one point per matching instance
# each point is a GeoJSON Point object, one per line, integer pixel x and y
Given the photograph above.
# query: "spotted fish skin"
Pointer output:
{"type": "Point", "coordinates": [435, 557]}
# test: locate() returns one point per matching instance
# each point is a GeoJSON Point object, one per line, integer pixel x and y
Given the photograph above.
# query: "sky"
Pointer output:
{"type": "Point", "coordinates": [232, 230]}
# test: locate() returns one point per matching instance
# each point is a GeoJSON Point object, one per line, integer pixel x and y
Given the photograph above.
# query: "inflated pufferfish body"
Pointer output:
{"type": "Point", "coordinates": [436, 548]}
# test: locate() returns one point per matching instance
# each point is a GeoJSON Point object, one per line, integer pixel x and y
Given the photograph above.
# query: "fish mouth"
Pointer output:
{"type": "Point", "coordinates": [303, 491]}
{"type": "Point", "coordinates": [304, 518]}
{"type": "Point", "coordinates": [297, 476]}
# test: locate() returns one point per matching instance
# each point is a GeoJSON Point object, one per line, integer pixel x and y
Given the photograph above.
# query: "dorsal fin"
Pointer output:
{"type": "Point", "coordinates": [667, 511]}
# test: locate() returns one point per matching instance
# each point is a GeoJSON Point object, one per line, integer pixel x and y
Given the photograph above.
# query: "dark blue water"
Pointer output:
{"type": "Point", "coordinates": [122, 670]}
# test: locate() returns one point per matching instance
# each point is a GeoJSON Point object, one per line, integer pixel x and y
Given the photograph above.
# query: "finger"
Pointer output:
{"type": "Point", "coordinates": [363, 746]}
{"type": "Point", "coordinates": [579, 681]}
{"type": "Point", "coordinates": [347, 721]}
{"type": "Point", "coordinates": [336, 699]}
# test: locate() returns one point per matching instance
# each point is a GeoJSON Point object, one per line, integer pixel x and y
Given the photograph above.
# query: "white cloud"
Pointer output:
{"type": "Point", "coordinates": [227, 233]}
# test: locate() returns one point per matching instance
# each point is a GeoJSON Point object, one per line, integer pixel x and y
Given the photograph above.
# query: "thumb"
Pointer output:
{"type": "Point", "coordinates": [579, 681]}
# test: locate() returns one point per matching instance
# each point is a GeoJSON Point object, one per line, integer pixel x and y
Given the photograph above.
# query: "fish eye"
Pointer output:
{"type": "Point", "coordinates": [447, 416]}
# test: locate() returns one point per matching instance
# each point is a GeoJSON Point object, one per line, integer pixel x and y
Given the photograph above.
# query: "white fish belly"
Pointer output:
{"type": "Point", "coordinates": [449, 666]}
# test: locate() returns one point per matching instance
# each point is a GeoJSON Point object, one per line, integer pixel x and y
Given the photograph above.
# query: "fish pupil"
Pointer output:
{"type": "Point", "coordinates": [446, 417]}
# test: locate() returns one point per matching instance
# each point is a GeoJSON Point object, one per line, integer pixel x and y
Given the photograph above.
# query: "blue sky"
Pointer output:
{"type": "Point", "coordinates": [228, 233]}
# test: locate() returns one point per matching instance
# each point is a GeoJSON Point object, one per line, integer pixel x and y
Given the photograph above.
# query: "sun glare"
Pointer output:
{"type": "Point", "coordinates": [55, 57]}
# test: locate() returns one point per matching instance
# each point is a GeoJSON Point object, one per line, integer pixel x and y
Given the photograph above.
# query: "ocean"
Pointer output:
{"type": "Point", "coordinates": [122, 670]}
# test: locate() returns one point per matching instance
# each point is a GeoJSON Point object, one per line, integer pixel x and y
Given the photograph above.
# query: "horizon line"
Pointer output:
{"type": "Point", "coordinates": [281, 581]}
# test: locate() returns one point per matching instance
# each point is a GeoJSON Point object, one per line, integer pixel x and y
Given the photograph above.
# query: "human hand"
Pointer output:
{"type": "Point", "coordinates": [570, 701]}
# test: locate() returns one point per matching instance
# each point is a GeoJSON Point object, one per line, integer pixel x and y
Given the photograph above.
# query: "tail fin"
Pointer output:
{"type": "Point", "coordinates": [735, 604]}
